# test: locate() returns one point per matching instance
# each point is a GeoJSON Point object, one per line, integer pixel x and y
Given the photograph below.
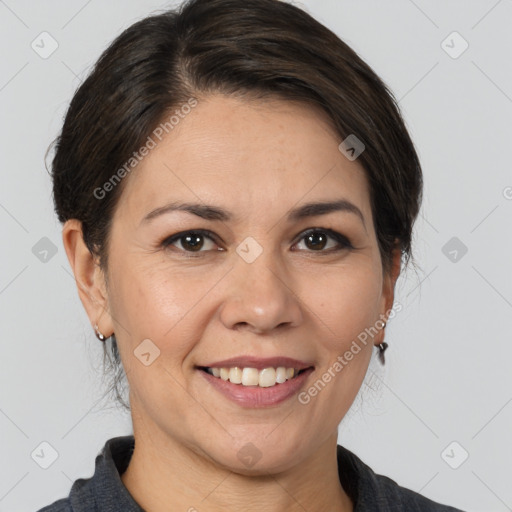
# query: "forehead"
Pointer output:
{"type": "Point", "coordinates": [252, 155]}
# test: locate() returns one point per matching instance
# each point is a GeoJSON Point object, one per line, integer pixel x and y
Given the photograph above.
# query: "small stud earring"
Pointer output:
{"type": "Point", "coordinates": [98, 333]}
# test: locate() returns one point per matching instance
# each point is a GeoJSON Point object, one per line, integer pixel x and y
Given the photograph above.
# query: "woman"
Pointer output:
{"type": "Point", "coordinates": [238, 192]}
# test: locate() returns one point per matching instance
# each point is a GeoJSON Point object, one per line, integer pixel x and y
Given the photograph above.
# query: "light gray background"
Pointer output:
{"type": "Point", "coordinates": [447, 376]}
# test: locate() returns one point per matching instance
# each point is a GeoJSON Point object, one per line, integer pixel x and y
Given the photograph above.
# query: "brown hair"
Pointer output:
{"type": "Point", "coordinates": [253, 48]}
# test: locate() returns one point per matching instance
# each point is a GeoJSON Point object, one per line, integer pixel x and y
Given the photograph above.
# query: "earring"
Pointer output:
{"type": "Point", "coordinates": [382, 348]}
{"type": "Point", "coordinates": [100, 336]}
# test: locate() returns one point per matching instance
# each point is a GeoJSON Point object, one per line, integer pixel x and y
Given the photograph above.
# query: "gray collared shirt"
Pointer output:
{"type": "Point", "coordinates": [105, 491]}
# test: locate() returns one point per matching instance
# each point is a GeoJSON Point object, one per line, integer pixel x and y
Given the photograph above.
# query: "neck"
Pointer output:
{"type": "Point", "coordinates": [167, 475]}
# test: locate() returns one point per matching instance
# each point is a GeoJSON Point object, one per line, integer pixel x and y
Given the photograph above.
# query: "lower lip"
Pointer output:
{"type": "Point", "coordinates": [254, 396]}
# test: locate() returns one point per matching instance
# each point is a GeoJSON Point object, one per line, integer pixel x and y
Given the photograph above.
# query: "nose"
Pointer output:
{"type": "Point", "coordinates": [260, 297]}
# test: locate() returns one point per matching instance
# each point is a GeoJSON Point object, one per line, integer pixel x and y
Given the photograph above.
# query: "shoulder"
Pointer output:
{"type": "Point", "coordinates": [373, 492]}
{"type": "Point", "coordinates": [393, 497]}
{"type": "Point", "coordinates": [61, 505]}
{"type": "Point", "coordinates": [104, 490]}
{"type": "Point", "coordinates": [82, 497]}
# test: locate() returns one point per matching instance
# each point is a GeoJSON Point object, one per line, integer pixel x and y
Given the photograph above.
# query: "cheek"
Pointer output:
{"type": "Point", "coordinates": [157, 302]}
{"type": "Point", "coordinates": [346, 302]}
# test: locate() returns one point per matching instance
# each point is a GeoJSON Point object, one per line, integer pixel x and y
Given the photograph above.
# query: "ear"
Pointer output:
{"type": "Point", "coordinates": [388, 288]}
{"type": "Point", "coordinates": [89, 277]}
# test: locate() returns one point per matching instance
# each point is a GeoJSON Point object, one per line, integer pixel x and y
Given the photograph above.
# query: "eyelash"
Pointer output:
{"type": "Point", "coordinates": [342, 240]}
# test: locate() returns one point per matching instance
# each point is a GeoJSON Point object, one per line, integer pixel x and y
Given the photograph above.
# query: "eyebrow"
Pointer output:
{"type": "Point", "coordinates": [215, 213]}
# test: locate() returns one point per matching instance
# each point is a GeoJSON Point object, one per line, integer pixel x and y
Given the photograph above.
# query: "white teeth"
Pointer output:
{"type": "Point", "coordinates": [235, 375]}
{"type": "Point", "coordinates": [250, 377]}
{"type": "Point", "coordinates": [265, 378]}
{"type": "Point", "coordinates": [281, 374]}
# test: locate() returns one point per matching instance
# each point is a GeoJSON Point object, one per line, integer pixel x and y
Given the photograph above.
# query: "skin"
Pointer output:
{"type": "Point", "coordinates": [258, 159]}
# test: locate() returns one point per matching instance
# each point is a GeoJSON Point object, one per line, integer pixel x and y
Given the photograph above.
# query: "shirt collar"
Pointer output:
{"type": "Point", "coordinates": [105, 490]}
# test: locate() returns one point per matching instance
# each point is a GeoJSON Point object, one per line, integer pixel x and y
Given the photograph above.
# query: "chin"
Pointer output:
{"type": "Point", "coordinates": [258, 457]}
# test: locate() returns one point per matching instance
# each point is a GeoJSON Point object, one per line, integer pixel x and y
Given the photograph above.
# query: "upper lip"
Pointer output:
{"type": "Point", "coordinates": [259, 363]}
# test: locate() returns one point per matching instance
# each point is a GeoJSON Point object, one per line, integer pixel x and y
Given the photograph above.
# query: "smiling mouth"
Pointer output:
{"type": "Point", "coordinates": [252, 377]}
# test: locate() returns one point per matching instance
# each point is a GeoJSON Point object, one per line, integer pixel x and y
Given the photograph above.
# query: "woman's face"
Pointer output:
{"type": "Point", "coordinates": [252, 284]}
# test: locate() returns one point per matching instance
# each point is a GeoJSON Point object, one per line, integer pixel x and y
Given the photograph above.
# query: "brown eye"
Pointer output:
{"type": "Point", "coordinates": [317, 239]}
{"type": "Point", "coordinates": [191, 241]}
